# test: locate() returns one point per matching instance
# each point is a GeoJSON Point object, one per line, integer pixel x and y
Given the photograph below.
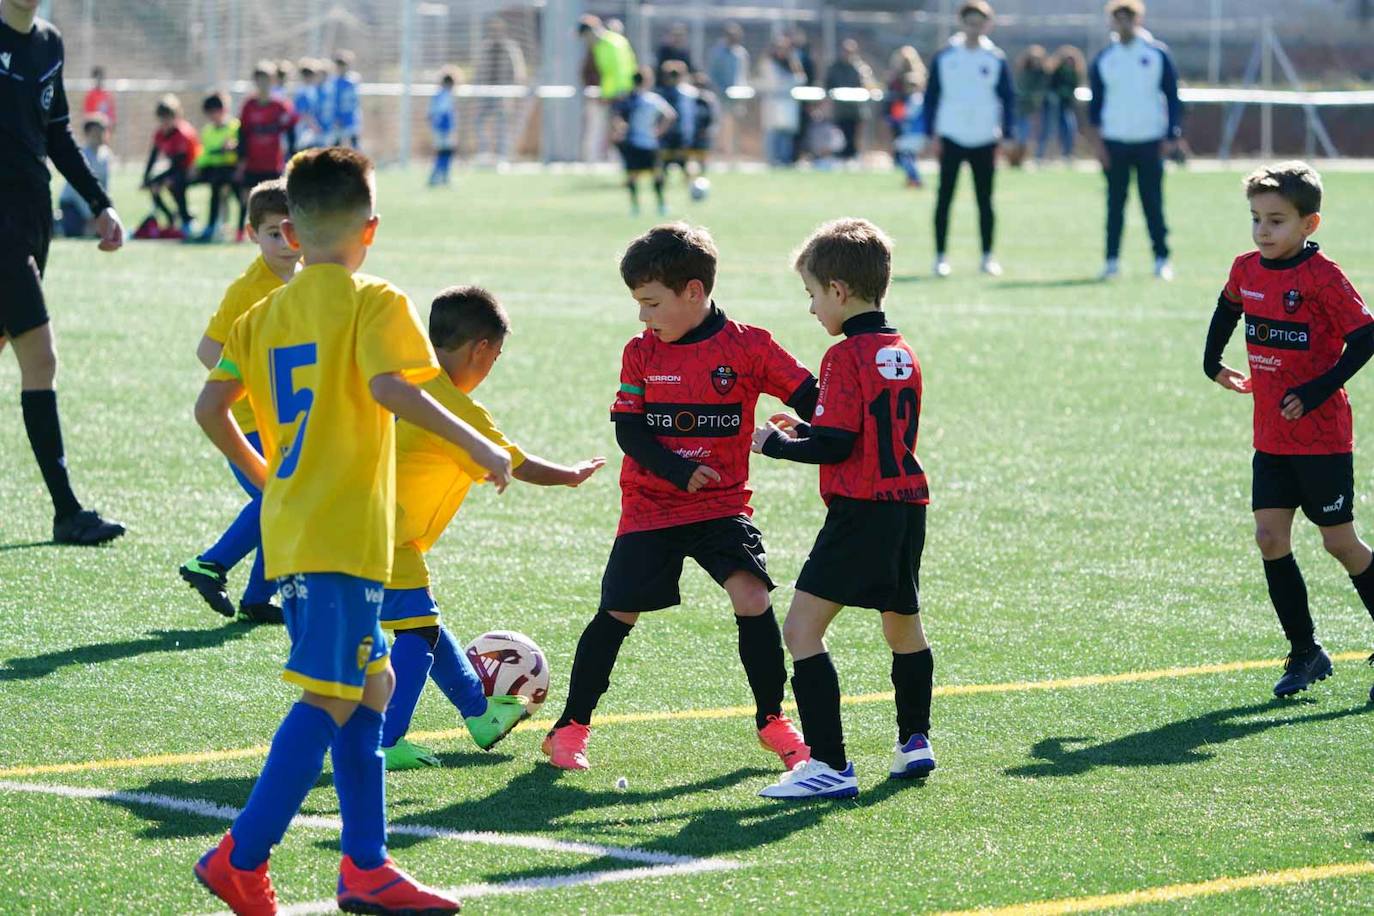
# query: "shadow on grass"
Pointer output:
{"type": "Point", "coordinates": [1184, 741]}
{"type": "Point", "coordinates": [37, 666]}
{"type": "Point", "coordinates": [1048, 283]}
{"type": "Point", "coordinates": [25, 545]}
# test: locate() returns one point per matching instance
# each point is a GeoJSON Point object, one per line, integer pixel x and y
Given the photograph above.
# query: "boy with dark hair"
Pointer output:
{"type": "Point", "coordinates": [345, 108]}
{"type": "Point", "coordinates": [275, 265]}
{"type": "Point", "coordinates": [642, 118]}
{"type": "Point", "coordinates": [688, 386]}
{"type": "Point", "coordinates": [177, 145]}
{"type": "Point", "coordinates": [218, 160]}
{"type": "Point", "coordinates": [679, 92]}
{"type": "Point", "coordinates": [264, 124]}
{"type": "Point", "coordinates": [326, 361]}
{"type": "Point", "coordinates": [443, 122]}
{"type": "Point", "coordinates": [468, 329]}
{"type": "Point", "coordinates": [868, 554]}
{"type": "Point", "coordinates": [1306, 333]}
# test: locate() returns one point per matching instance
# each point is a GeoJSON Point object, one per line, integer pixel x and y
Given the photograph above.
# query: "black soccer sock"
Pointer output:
{"type": "Point", "coordinates": [1364, 586]}
{"type": "Point", "coordinates": [1289, 594]}
{"type": "Point", "coordinates": [591, 670]}
{"type": "Point", "coordinates": [760, 651]}
{"type": "Point", "coordinates": [817, 689]}
{"type": "Point", "coordinates": [913, 677]}
{"type": "Point", "coordinates": [45, 435]}
{"type": "Point", "coordinates": [633, 187]}
{"type": "Point", "coordinates": [658, 190]}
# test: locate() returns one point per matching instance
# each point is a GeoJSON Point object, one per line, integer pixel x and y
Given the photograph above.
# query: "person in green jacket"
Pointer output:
{"type": "Point", "coordinates": [218, 159]}
{"type": "Point", "coordinates": [611, 53]}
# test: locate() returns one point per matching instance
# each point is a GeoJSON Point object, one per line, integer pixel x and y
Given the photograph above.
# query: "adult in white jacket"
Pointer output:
{"type": "Point", "coordinates": [779, 73]}
{"type": "Point", "coordinates": [1136, 114]}
{"type": "Point", "coordinates": [969, 107]}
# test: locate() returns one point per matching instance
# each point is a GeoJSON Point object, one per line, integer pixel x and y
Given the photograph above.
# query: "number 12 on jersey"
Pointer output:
{"type": "Point", "coordinates": [288, 400]}
{"type": "Point", "coordinates": [908, 411]}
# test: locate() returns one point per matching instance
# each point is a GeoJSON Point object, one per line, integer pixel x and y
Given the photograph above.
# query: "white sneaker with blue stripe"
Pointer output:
{"type": "Point", "coordinates": [814, 779]}
{"type": "Point", "coordinates": [913, 760]}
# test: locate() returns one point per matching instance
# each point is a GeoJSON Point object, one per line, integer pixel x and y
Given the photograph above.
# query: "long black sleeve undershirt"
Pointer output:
{"type": "Point", "coordinates": [1359, 347]}
{"type": "Point", "coordinates": [813, 445]}
{"type": "Point", "coordinates": [638, 442]}
{"type": "Point", "coordinates": [1224, 321]}
{"type": "Point", "coordinates": [804, 399]}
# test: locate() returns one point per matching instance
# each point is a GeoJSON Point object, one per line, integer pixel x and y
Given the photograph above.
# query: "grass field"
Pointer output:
{"type": "Point", "coordinates": [1090, 519]}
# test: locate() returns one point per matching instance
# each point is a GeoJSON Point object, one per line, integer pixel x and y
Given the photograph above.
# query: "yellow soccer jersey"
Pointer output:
{"type": "Point", "coordinates": [305, 357]}
{"type": "Point", "coordinates": [432, 479]}
{"type": "Point", "coordinates": [252, 286]}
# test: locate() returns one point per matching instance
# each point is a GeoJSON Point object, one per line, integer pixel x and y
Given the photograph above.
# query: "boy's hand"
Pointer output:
{"type": "Point", "coordinates": [1291, 407]}
{"type": "Point", "coordinates": [498, 463]}
{"type": "Point", "coordinates": [584, 469]}
{"type": "Point", "coordinates": [702, 477]}
{"type": "Point", "coordinates": [762, 435]}
{"type": "Point", "coordinates": [111, 230]}
{"type": "Point", "coordinates": [1232, 380]}
{"type": "Point", "coordinates": [786, 424]}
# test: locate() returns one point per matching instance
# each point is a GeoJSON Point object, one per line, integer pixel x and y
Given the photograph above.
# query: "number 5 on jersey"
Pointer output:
{"type": "Point", "coordinates": [288, 400]}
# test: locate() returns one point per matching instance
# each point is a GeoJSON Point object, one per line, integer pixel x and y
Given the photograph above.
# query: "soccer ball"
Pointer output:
{"type": "Point", "coordinates": [511, 663]}
{"type": "Point", "coordinates": [701, 186]}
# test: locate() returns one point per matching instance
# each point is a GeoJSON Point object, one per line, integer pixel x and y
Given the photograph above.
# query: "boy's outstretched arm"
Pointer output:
{"type": "Point", "coordinates": [1224, 321]}
{"type": "Point", "coordinates": [544, 473]}
{"type": "Point", "coordinates": [212, 413]}
{"type": "Point", "coordinates": [816, 445]}
{"type": "Point", "coordinates": [1307, 397]}
{"type": "Point", "coordinates": [411, 404]}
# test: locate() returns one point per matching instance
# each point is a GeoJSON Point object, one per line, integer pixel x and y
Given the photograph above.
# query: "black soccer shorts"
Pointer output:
{"type": "Point", "coordinates": [1322, 485]}
{"type": "Point", "coordinates": [644, 567]}
{"type": "Point", "coordinates": [25, 234]}
{"type": "Point", "coordinates": [868, 554]}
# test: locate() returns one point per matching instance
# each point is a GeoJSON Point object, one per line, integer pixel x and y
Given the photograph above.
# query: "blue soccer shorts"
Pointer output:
{"type": "Point", "coordinates": [334, 622]}
{"type": "Point", "coordinates": [409, 609]}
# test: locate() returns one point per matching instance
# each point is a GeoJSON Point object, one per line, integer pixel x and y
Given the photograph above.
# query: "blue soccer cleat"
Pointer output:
{"type": "Point", "coordinates": [913, 760]}
{"type": "Point", "coordinates": [815, 779]}
{"type": "Point", "coordinates": [1303, 670]}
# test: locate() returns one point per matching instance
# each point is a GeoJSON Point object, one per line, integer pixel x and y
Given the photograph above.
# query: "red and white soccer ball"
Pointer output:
{"type": "Point", "coordinates": [510, 663]}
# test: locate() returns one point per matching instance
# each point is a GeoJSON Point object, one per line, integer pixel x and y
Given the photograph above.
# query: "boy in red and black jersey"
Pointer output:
{"type": "Point", "coordinates": [1306, 333]}
{"type": "Point", "coordinates": [265, 123]}
{"type": "Point", "coordinates": [868, 554]}
{"type": "Point", "coordinates": [684, 415]}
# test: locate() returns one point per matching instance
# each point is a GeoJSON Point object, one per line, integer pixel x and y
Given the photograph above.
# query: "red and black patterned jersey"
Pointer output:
{"type": "Point", "coordinates": [870, 387]}
{"type": "Point", "coordinates": [1297, 314]}
{"type": "Point", "coordinates": [698, 398]}
{"type": "Point", "coordinates": [264, 125]}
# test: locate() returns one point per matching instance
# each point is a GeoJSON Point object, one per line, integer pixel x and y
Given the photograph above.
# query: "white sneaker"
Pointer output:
{"type": "Point", "coordinates": [1110, 270]}
{"type": "Point", "coordinates": [1164, 270]}
{"type": "Point", "coordinates": [942, 268]}
{"type": "Point", "coordinates": [814, 779]}
{"type": "Point", "coordinates": [990, 266]}
{"type": "Point", "coordinates": [913, 760]}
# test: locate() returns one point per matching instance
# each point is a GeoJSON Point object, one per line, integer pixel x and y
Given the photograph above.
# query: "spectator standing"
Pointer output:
{"type": "Point", "coordinates": [1136, 114]}
{"type": "Point", "coordinates": [500, 62]}
{"type": "Point", "coordinates": [849, 71]}
{"type": "Point", "coordinates": [728, 65]}
{"type": "Point", "coordinates": [780, 71]}
{"type": "Point", "coordinates": [1066, 68]}
{"type": "Point", "coordinates": [615, 64]}
{"type": "Point", "coordinates": [1032, 82]}
{"type": "Point", "coordinates": [101, 101]}
{"type": "Point", "coordinates": [674, 47]}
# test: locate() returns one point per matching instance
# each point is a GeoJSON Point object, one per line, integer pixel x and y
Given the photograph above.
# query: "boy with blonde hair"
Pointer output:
{"type": "Point", "coordinates": [325, 362]}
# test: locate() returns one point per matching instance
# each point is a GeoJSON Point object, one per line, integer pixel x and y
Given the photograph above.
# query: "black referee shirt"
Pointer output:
{"type": "Point", "coordinates": [35, 123]}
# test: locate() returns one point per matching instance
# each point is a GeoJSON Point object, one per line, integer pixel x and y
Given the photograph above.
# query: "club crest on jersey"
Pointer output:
{"type": "Point", "coordinates": [364, 652]}
{"type": "Point", "coordinates": [723, 379]}
{"type": "Point", "coordinates": [46, 98]}
{"type": "Point", "coordinates": [893, 363]}
{"type": "Point", "coordinates": [5, 60]}
{"type": "Point", "coordinates": [1292, 301]}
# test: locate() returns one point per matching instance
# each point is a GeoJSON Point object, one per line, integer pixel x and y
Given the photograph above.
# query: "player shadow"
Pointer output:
{"type": "Point", "coordinates": [25, 545]}
{"type": "Point", "coordinates": [195, 819]}
{"type": "Point", "coordinates": [39, 666]}
{"type": "Point", "coordinates": [1048, 283]}
{"type": "Point", "coordinates": [1184, 741]}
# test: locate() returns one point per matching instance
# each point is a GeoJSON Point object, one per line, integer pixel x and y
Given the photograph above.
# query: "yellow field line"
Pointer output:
{"type": "Point", "coordinates": [1175, 891]}
{"type": "Point", "coordinates": [950, 690]}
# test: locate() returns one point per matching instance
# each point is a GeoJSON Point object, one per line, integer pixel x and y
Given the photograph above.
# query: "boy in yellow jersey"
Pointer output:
{"type": "Point", "coordinates": [325, 362]}
{"type": "Point", "coordinates": [468, 328]}
{"type": "Point", "coordinates": [276, 263]}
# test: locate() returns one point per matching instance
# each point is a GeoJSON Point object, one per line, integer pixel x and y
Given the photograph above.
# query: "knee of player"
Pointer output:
{"type": "Point", "coordinates": [38, 368]}
{"type": "Point", "coordinates": [799, 634]}
{"type": "Point", "coordinates": [1272, 542]}
{"type": "Point", "coordinates": [1342, 542]}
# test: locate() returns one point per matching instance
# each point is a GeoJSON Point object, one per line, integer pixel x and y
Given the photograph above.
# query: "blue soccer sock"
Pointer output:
{"type": "Point", "coordinates": [293, 764]}
{"type": "Point", "coordinates": [456, 677]}
{"type": "Point", "coordinates": [239, 539]}
{"type": "Point", "coordinates": [411, 660]}
{"type": "Point", "coordinates": [360, 781]}
{"type": "Point", "coordinates": [259, 589]}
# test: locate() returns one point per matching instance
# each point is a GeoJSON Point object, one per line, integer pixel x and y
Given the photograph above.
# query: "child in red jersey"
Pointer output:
{"type": "Point", "coordinates": [683, 416]}
{"type": "Point", "coordinates": [264, 125]}
{"type": "Point", "coordinates": [1306, 333]}
{"type": "Point", "coordinates": [868, 554]}
{"type": "Point", "coordinates": [176, 145]}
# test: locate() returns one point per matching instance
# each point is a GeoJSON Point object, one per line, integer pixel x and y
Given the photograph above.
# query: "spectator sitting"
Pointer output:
{"type": "Point", "coordinates": [77, 219]}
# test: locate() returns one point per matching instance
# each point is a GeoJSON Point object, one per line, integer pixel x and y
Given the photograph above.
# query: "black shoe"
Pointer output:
{"type": "Point", "coordinates": [260, 612]}
{"type": "Point", "coordinates": [85, 528]}
{"type": "Point", "coordinates": [1302, 670]}
{"type": "Point", "coordinates": [209, 580]}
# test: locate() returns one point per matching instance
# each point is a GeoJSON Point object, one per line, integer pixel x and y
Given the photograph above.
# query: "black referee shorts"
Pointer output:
{"type": "Point", "coordinates": [25, 234]}
{"type": "Point", "coordinates": [868, 554]}
{"type": "Point", "coordinates": [1322, 485]}
{"type": "Point", "coordinates": [644, 568]}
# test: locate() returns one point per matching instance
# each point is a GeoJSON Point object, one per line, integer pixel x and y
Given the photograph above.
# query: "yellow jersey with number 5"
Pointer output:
{"type": "Point", "coordinates": [305, 356]}
{"type": "Point", "coordinates": [251, 287]}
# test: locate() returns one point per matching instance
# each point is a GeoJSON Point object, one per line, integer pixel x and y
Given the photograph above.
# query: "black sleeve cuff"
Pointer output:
{"type": "Point", "coordinates": [803, 400]}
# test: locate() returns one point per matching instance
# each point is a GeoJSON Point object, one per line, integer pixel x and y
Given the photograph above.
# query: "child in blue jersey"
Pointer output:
{"type": "Point", "coordinates": [443, 121]}
{"type": "Point", "coordinates": [642, 118]}
{"type": "Point", "coordinates": [912, 139]}
{"type": "Point", "coordinates": [345, 105]}
{"type": "Point", "coordinates": [306, 102]}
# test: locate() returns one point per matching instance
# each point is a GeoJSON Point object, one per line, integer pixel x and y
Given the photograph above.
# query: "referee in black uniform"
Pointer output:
{"type": "Point", "coordinates": [34, 126]}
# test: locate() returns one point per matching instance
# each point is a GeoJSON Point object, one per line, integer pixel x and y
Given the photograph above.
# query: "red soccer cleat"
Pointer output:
{"type": "Point", "coordinates": [782, 738]}
{"type": "Point", "coordinates": [566, 747]}
{"type": "Point", "coordinates": [248, 893]}
{"type": "Point", "coordinates": [389, 891]}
